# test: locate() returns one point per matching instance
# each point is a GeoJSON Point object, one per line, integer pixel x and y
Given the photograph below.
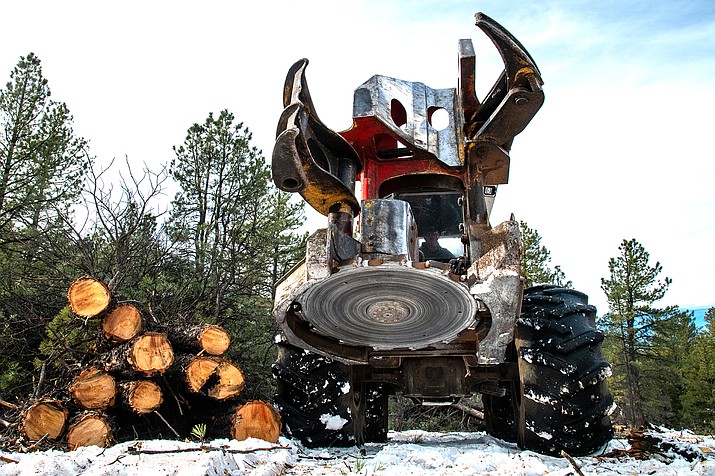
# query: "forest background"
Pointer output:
{"type": "Point", "coordinates": [204, 239]}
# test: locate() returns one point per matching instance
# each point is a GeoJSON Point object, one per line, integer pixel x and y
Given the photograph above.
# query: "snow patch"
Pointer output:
{"type": "Point", "coordinates": [417, 453]}
{"type": "Point", "coordinates": [540, 397]}
{"type": "Point", "coordinates": [541, 434]}
{"type": "Point", "coordinates": [333, 422]}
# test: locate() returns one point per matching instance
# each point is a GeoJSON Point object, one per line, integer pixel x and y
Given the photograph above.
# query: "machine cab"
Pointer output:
{"type": "Point", "coordinates": [439, 219]}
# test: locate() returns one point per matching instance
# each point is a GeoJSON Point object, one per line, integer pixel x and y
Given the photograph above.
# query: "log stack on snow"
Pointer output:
{"type": "Point", "coordinates": [174, 373]}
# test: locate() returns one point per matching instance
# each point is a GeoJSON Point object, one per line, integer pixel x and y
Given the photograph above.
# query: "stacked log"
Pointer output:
{"type": "Point", "coordinates": [256, 419]}
{"type": "Point", "coordinates": [93, 389]}
{"type": "Point", "coordinates": [141, 371]}
{"type": "Point", "coordinates": [122, 324]}
{"type": "Point", "coordinates": [88, 429]}
{"type": "Point", "coordinates": [148, 354]}
{"type": "Point", "coordinates": [206, 339]}
{"type": "Point", "coordinates": [45, 418]}
{"type": "Point", "coordinates": [214, 377]}
{"type": "Point", "coordinates": [88, 297]}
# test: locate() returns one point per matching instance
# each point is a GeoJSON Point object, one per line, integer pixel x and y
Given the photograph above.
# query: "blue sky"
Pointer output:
{"type": "Point", "coordinates": [620, 149]}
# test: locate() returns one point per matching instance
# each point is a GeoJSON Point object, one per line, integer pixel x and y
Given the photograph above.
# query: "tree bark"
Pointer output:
{"type": "Point", "coordinates": [142, 396]}
{"type": "Point", "coordinates": [208, 339]}
{"type": "Point", "coordinates": [213, 377]}
{"type": "Point", "coordinates": [123, 323]}
{"type": "Point", "coordinates": [93, 389]}
{"type": "Point", "coordinates": [45, 417]}
{"type": "Point", "coordinates": [88, 429]}
{"type": "Point", "coordinates": [256, 419]}
{"type": "Point", "coordinates": [88, 297]}
{"type": "Point", "coordinates": [148, 354]}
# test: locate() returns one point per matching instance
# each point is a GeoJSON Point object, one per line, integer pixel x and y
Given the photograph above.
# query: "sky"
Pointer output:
{"type": "Point", "coordinates": [619, 150]}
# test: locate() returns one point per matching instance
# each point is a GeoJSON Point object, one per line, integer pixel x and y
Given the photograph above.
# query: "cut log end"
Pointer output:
{"type": "Point", "coordinates": [93, 389]}
{"type": "Point", "coordinates": [214, 340]}
{"type": "Point", "coordinates": [88, 297]}
{"type": "Point", "coordinates": [215, 377]}
{"type": "Point", "coordinates": [256, 420]}
{"type": "Point", "coordinates": [151, 353]}
{"type": "Point", "coordinates": [231, 381]}
{"type": "Point", "coordinates": [123, 323]}
{"type": "Point", "coordinates": [46, 417]}
{"type": "Point", "coordinates": [89, 430]}
{"type": "Point", "coordinates": [204, 339]}
{"type": "Point", "coordinates": [142, 396]}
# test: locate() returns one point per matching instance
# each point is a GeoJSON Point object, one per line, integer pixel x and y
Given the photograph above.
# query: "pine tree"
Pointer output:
{"type": "Point", "coordinates": [41, 160]}
{"type": "Point", "coordinates": [535, 261]}
{"type": "Point", "coordinates": [633, 327]}
{"type": "Point", "coordinates": [237, 233]}
{"type": "Point", "coordinates": [663, 367]}
{"type": "Point", "coordinates": [42, 164]}
{"type": "Point", "coordinates": [698, 397]}
{"type": "Point", "coordinates": [227, 216]}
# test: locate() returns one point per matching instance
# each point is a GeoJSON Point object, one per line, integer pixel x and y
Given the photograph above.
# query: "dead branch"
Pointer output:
{"type": "Point", "coordinates": [469, 410]}
{"type": "Point", "coordinates": [570, 459]}
{"type": "Point", "coordinates": [137, 450]}
{"type": "Point", "coordinates": [9, 405]}
{"type": "Point", "coordinates": [167, 424]}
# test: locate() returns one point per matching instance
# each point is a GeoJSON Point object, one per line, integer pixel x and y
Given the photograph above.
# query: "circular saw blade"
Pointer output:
{"type": "Point", "coordinates": [389, 307]}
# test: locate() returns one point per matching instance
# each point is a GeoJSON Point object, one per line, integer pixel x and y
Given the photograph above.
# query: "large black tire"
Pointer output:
{"type": "Point", "coordinates": [564, 403]}
{"type": "Point", "coordinates": [321, 407]}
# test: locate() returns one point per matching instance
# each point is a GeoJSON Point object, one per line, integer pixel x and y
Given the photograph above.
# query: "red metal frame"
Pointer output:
{"type": "Point", "coordinates": [367, 136]}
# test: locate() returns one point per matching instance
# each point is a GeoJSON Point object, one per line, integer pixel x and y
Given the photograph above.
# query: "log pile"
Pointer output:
{"type": "Point", "coordinates": [141, 370]}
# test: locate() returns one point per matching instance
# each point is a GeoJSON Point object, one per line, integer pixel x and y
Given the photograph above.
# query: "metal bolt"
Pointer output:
{"type": "Point", "coordinates": [520, 101]}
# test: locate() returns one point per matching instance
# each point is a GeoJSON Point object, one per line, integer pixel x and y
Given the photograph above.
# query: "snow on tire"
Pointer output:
{"type": "Point", "coordinates": [318, 405]}
{"type": "Point", "coordinates": [564, 402]}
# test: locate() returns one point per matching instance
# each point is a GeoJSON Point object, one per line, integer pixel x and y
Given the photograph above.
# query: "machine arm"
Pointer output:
{"type": "Point", "coordinates": [513, 101]}
{"type": "Point", "coordinates": [308, 157]}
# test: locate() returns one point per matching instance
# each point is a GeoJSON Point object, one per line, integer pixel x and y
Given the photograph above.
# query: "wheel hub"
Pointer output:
{"type": "Point", "coordinates": [388, 312]}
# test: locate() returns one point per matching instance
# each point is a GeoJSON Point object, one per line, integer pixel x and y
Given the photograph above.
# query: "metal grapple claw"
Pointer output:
{"type": "Point", "coordinates": [308, 157]}
{"type": "Point", "coordinates": [512, 102]}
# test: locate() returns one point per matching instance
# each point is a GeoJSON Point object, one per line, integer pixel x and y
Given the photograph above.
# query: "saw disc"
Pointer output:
{"type": "Point", "coordinates": [388, 307]}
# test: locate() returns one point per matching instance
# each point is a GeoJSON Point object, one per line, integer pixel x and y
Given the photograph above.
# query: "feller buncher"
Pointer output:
{"type": "Point", "coordinates": [410, 290]}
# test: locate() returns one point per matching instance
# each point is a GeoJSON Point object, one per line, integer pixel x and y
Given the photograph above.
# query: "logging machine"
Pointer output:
{"type": "Point", "coordinates": [409, 289]}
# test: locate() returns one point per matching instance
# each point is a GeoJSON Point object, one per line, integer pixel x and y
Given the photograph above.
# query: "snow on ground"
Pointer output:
{"type": "Point", "coordinates": [409, 452]}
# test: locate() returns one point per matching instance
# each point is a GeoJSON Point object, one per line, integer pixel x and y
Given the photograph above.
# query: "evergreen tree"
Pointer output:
{"type": "Point", "coordinates": [42, 163]}
{"type": "Point", "coordinates": [41, 160]}
{"type": "Point", "coordinates": [643, 343]}
{"type": "Point", "coordinates": [227, 216]}
{"type": "Point", "coordinates": [663, 367]}
{"type": "Point", "coordinates": [238, 233]}
{"type": "Point", "coordinates": [698, 397]}
{"type": "Point", "coordinates": [535, 260]}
